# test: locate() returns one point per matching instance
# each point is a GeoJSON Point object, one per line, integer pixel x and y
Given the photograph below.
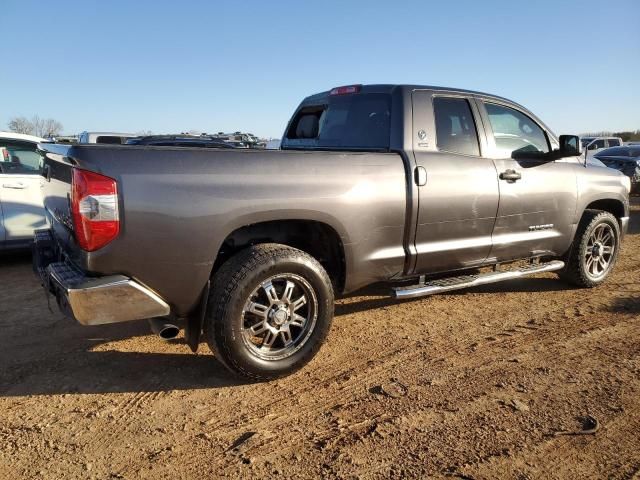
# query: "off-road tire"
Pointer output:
{"type": "Point", "coordinates": [575, 271]}
{"type": "Point", "coordinates": [233, 284]}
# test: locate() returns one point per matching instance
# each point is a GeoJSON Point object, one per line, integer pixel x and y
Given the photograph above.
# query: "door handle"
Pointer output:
{"type": "Point", "coordinates": [17, 186]}
{"type": "Point", "coordinates": [420, 176]}
{"type": "Point", "coordinates": [510, 176]}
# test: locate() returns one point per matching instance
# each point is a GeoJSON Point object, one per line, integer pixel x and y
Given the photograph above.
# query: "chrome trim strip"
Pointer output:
{"type": "Point", "coordinates": [482, 279]}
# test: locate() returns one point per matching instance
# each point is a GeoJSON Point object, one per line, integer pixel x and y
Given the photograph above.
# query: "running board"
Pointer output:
{"type": "Point", "coordinates": [465, 281]}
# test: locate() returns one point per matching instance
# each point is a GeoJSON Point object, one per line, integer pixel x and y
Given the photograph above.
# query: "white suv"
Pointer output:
{"type": "Point", "coordinates": [21, 210]}
{"type": "Point", "coordinates": [594, 144]}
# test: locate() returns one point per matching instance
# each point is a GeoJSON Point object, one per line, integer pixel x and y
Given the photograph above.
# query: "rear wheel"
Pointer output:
{"type": "Point", "coordinates": [594, 251]}
{"type": "Point", "coordinates": [269, 311]}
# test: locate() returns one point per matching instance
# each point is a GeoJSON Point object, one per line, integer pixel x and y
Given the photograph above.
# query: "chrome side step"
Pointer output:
{"type": "Point", "coordinates": [465, 281]}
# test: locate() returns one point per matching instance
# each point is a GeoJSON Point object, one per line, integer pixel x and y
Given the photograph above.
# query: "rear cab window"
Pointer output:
{"type": "Point", "coordinates": [110, 140]}
{"type": "Point", "coordinates": [354, 121]}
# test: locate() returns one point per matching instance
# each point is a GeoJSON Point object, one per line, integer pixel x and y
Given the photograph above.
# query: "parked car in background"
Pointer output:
{"type": "Point", "coordinates": [273, 144]}
{"type": "Point", "coordinates": [111, 138]}
{"type": "Point", "coordinates": [633, 144]}
{"type": "Point", "coordinates": [199, 141]}
{"type": "Point", "coordinates": [624, 159]}
{"type": "Point", "coordinates": [248, 140]}
{"type": "Point", "coordinates": [21, 210]}
{"type": "Point", "coordinates": [65, 139]}
{"type": "Point", "coordinates": [594, 144]}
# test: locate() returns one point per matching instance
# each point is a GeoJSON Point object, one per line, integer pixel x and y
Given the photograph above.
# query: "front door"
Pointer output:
{"type": "Point", "coordinates": [20, 194]}
{"type": "Point", "coordinates": [537, 196]}
{"type": "Point", "coordinates": [458, 187]}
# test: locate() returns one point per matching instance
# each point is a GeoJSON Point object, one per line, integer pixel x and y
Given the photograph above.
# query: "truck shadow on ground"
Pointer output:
{"type": "Point", "coordinates": [46, 354]}
{"type": "Point", "coordinates": [628, 305]}
{"type": "Point", "coordinates": [80, 363]}
{"type": "Point", "coordinates": [369, 297]}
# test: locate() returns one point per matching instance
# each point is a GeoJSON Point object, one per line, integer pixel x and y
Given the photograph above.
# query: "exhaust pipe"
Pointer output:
{"type": "Point", "coordinates": [164, 329]}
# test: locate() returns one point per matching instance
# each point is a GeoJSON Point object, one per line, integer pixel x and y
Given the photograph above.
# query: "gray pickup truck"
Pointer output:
{"type": "Point", "coordinates": [425, 189]}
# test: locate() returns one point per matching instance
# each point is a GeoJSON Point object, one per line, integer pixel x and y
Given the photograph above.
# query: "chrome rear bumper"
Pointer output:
{"type": "Point", "coordinates": [111, 299]}
{"type": "Point", "coordinates": [93, 300]}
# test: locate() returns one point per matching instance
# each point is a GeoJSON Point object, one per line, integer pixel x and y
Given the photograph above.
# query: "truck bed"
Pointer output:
{"type": "Point", "coordinates": [177, 206]}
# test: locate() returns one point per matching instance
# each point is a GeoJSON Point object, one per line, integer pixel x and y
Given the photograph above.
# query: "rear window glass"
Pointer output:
{"type": "Point", "coordinates": [618, 152]}
{"type": "Point", "coordinates": [110, 139]}
{"type": "Point", "coordinates": [614, 142]}
{"type": "Point", "coordinates": [348, 121]}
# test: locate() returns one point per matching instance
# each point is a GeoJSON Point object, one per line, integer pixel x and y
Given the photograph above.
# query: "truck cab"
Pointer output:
{"type": "Point", "coordinates": [484, 184]}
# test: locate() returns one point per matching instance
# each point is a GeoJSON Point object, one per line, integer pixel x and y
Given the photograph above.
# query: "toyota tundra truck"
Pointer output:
{"type": "Point", "coordinates": [424, 189]}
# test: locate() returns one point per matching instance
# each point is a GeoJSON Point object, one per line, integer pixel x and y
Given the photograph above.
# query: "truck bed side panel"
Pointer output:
{"type": "Point", "coordinates": [178, 205]}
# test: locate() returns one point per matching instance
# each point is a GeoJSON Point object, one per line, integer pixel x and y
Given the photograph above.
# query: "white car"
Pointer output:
{"type": "Point", "coordinates": [21, 210]}
{"type": "Point", "coordinates": [594, 144]}
{"type": "Point", "coordinates": [112, 138]}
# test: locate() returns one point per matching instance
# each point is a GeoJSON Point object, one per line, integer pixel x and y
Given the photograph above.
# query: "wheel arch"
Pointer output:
{"type": "Point", "coordinates": [611, 205]}
{"type": "Point", "coordinates": [317, 238]}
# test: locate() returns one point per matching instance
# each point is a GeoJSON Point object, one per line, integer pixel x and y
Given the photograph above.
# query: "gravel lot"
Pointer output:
{"type": "Point", "coordinates": [466, 385]}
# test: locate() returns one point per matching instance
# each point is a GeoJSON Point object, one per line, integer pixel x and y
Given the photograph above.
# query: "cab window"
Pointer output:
{"type": "Point", "coordinates": [514, 132]}
{"type": "Point", "coordinates": [455, 128]}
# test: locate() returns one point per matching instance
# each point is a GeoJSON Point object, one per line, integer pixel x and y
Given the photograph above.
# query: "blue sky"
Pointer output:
{"type": "Point", "coordinates": [173, 66]}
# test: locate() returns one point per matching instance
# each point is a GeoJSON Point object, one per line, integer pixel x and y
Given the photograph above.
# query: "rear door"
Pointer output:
{"type": "Point", "coordinates": [458, 188]}
{"type": "Point", "coordinates": [537, 196]}
{"type": "Point", "coordinates": [20, 194]}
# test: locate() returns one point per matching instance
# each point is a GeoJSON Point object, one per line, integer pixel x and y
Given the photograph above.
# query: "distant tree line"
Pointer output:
{"type": "Point", "coordinates": [625, 136]}
{"type": "Point", "coordinates": [40, 127]}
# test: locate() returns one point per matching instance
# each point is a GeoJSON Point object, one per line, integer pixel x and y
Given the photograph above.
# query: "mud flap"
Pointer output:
{"type": "Point", "coordinates": [195, 321]}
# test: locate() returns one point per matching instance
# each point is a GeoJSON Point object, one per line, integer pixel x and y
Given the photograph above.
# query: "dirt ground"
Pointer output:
{"type": "Point", "coordinates": [469, 385]}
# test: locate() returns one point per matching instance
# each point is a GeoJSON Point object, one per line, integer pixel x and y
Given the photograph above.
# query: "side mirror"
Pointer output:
{"type": "Point", "coordinates": [570, 146]}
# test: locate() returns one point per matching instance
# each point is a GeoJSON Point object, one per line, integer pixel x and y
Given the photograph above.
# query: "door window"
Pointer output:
{"type": "Point", "coordinates": [455, 128]}
{"type": "Point", "coordinates": [614, 142]}
{"type": "Point", "coordinates": [19, 158]}
{"type": "Point", "coordinates": [514, 132]}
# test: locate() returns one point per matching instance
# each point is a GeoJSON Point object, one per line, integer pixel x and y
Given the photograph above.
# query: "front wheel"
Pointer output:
{"type": "Point", "coordinates": [269, 311]}
{"type": "Point", "coordinates": [594, 251]}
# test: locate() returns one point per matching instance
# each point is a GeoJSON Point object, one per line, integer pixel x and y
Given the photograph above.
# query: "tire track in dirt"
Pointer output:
{"type": "Point", "coordinates": [401, 389]}
{"type": "Point", "coordinates": [352, 392]}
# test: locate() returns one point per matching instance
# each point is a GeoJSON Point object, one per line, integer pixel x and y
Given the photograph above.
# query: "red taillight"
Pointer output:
{"type": "Point", "coordinates": [346, 90]}
{"type": "Point", "coordinates": [94, 206]}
